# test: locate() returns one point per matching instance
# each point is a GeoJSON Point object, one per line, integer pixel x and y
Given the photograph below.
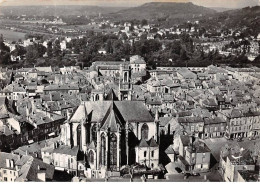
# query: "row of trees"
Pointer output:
{"type": "Point", "coordinates": [4, 52]}
{"type": "Point", "coordinates": [178, 52]}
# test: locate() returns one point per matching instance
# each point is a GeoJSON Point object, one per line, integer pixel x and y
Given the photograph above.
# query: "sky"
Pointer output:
{"type": "Point", "coordinates": [125, 3]}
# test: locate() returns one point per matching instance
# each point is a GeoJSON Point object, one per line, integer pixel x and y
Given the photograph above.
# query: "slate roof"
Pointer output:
{"type": "Point", "coordinates": [152, 143]}
{"type": "Point", "coordinates": [61, 87]}
{"type": "Point", "coordinates": [111, 95]}
{"type": "Point", "coordinates": [216, 120]}
{"type": "Point", "coordinates": [67, 150]}
{"type": "Point", "coordinates": [4, 156]}
{"type": "Point", "coordinates": [164, 120]}
{"type": "Point", "coordinates": [143, 143]}
{"type": "Point", "coordinates": [28, 167]}
{"type": "Point", "coordinates": [185, 140]}
{"type": "Point", "coordinates": [190, 120]}
{"type": "Point", "coordinates": [111, 120]}
{"type": "Point", "coordinates": [132, 111]}
{"type": "Point", "coordinates": [169, 150]}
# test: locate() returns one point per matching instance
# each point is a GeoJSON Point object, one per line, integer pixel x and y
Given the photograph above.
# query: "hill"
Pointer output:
{"type": "Point", "coordinates": [246, 19]}
{"type": "Point", "coordinates": [162, 10]}
{"type": "Point", "coordinates": [60, 10]}
{"type": "Point", "coordinates": [220, 9]}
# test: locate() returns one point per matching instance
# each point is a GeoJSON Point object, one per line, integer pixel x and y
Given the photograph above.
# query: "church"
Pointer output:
{"type": "Point", "coordinates": [113, 134]}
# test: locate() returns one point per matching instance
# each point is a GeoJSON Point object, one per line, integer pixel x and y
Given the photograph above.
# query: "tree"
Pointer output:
{"type": "Point", "coordinates": [56, 48]}
{"type": "Point", "coordinates": [183, 55]}
{"type": "Point", "coordinates": [144, 22]}
{"type": "Point", "coordinates": [124, 36]}
{"type": "Point", "coordinates": [109, 47]}
{"type": "Point", "coordinates": [49, 49]}
{"type": "Point", "coordinates": [31, 54]}
{"type": "Point", "coordinates": [41, 49]}
{"type": "Point", "coordinates": [4, 52]}
{"type": "Point", "coordinates": [5, 58]}
{"type": "Point", "coordinates": [3, 47]}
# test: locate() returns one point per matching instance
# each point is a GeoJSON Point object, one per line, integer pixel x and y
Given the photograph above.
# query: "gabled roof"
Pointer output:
{"type": "Point", "coordinates": [169, 150]}
{"type": "Point", "coordinates": [143, 143]}
{"type": "Point", "coordinates": [111, 95]}
{"type": "Point", "coordinates": [152, 143]}
{"type": "Point", "coordinates": [67, 150]}
{"type": "Point", "coordinates": [111, 120]}
{"type": "Point", "coordinates": [164, 120]}
{"type": "Point", "coordinates": [132, 111]}
{"type": "Point", "coordinates": [4, 156]}
{"type": "Point", "coordinates": [185, 140]}
{"type": "Point", "coordinates": [92, 145]}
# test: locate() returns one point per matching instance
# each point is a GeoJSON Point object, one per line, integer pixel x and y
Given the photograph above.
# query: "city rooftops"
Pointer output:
{"type": "Point", "coordinates": [61, 87]}
{"type": "Point", "coordinates": [216, 120]}
{"type": "Point", "coordinates": [190, 120]}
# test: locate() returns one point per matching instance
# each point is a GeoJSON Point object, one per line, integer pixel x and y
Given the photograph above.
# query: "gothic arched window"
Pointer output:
{"type": "Point", "coordinates": [144, 131]}
{"type": "Point", "coordinates": [91, 156]}
{"type": "Point", "coordinates": [113, 151]}
{"type": "Point", "coordinates": [103, 149]}
{"type": "Point", "coordinates": [94, 132]}
{"type": "Point", "coordinates": [125, 77]}
{"type": "Point", "coordinates": [79, 135]}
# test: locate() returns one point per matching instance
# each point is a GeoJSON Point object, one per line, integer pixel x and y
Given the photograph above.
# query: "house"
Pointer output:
{"type": "Point", "coordinates": [231, 164]}
{"type": "Point", "coordinates": [64, 88]}
{"type": "Point", "coordinates": [16, 168]}
{"type": "Point", "coordinates": [147, 153]}
{"type": "Point", "coordinates": [192, 125]}
{"type": "Point", "coordinates": [137, 64]}
{"type": "Point", "coordinates": [241, 124]}
{"type": "Point", "coordinates": [194, 155]}
{"type": "Point", "coordinates": [102, 51]}
{"type": "Point", "coordinates": [67, 158]}
{"type": "Point", "coordinates": [214, 127]}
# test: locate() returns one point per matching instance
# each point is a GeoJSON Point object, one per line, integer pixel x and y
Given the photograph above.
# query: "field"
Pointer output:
{"type": "Point", "coordinates": [12, 35]}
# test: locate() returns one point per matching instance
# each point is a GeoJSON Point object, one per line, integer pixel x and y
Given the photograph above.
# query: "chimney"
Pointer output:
{"type": "Point", "coordinates": [11, 163]}
{"type": "Point", "coordinates": [7, 163]}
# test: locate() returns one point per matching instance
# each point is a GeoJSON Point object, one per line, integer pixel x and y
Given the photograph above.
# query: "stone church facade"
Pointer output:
{"type": "Point", "coordinates": [113, 134]}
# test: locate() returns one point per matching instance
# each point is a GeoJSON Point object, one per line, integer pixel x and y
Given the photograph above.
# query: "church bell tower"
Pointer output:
{"type": "Point", "coordinates": [125, 82]}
